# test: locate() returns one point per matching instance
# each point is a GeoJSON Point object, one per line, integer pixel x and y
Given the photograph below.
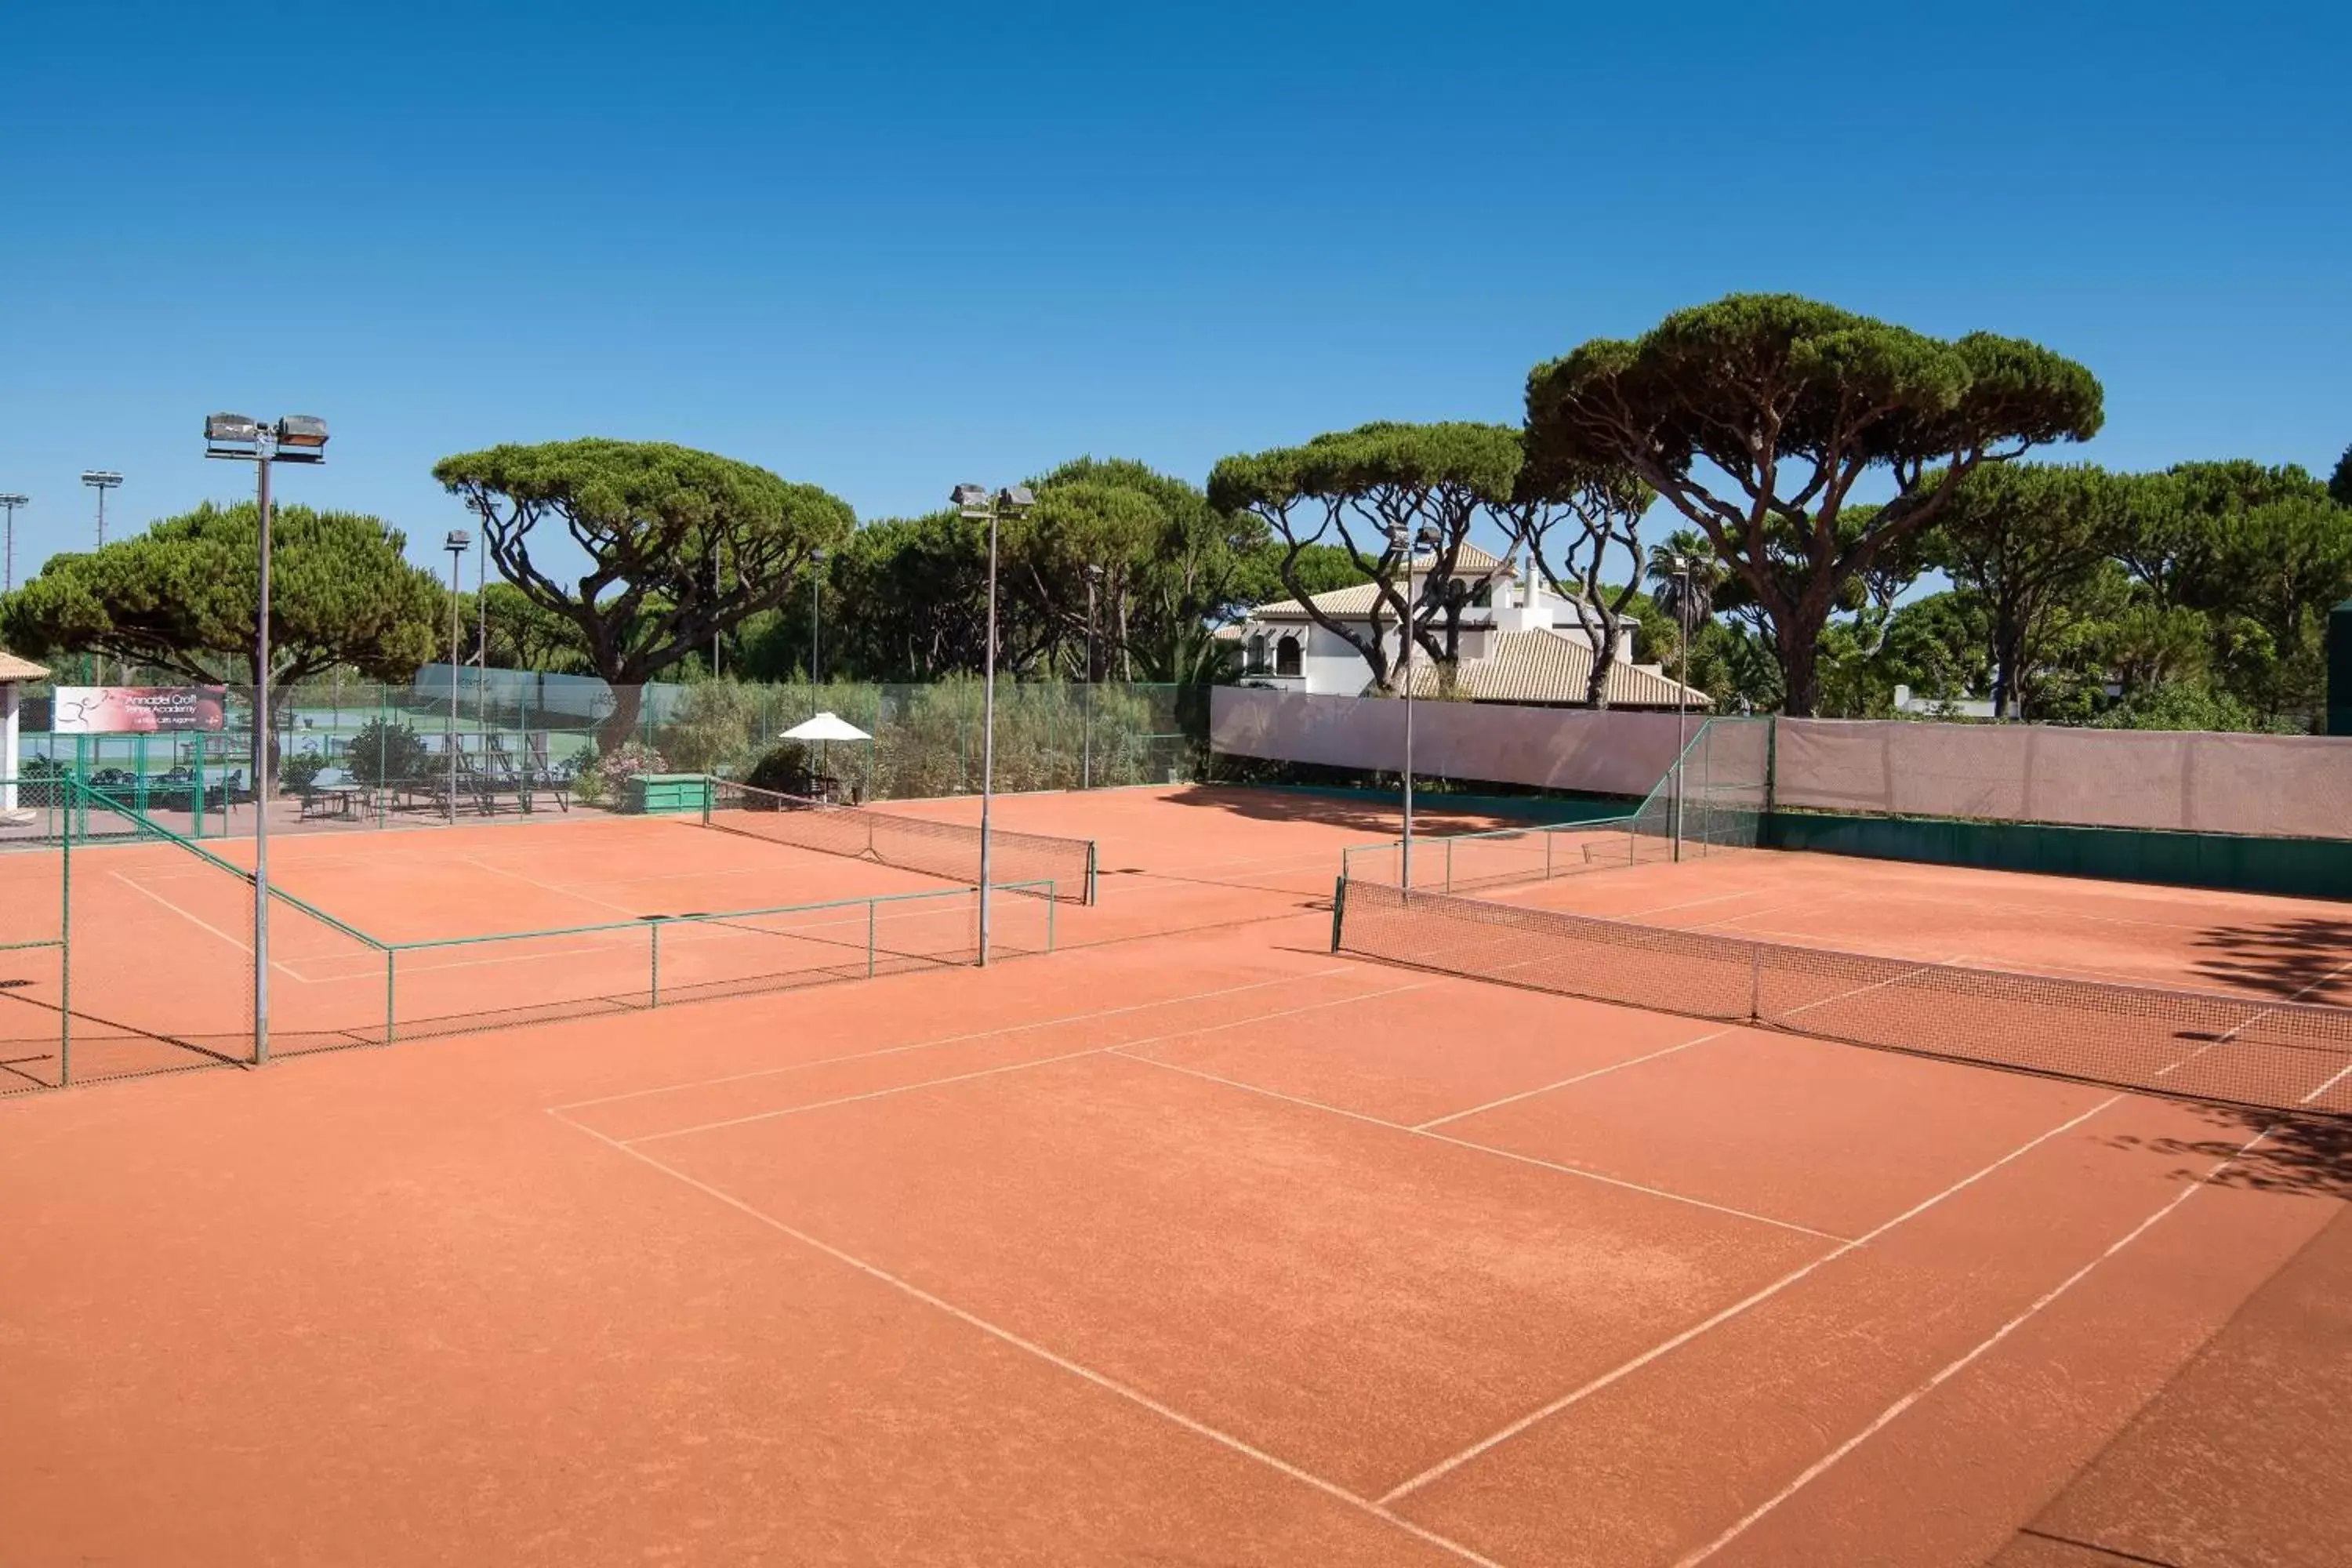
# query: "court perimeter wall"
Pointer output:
{"type": "Point", "coordinates": [1607, 752]}
{"type": "Point", "coordinates": [2193, 783]}
{"type": "Point", "coordinates": [2302, 867]}
{"type": "Point", "coordinates": [2279, 786]}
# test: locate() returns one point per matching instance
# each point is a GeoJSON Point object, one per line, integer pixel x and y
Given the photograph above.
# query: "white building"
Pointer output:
{"type": "Point", "coordinates": [12, 671]}
{"type": "Point", "coordinates": [1520, 643]}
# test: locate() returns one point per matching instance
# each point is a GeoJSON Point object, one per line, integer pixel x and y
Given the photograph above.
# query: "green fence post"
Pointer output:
{"type": "Point", "coordinates": [65, 953]}
{"type": "Point", "coordinates": [390, 1018]}
{"type": "Point", "coordinates": [1053, 897]}
{"type": "Point", "coordinates": [196, 789]}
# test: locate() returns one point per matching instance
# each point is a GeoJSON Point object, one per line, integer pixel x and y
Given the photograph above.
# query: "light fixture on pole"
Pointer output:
{"type": "Point", "coordinates": [457, 543]}
{"type": "Point", "coordinates": [974, 503]}
{"type": "Point", "coordinates": [1405, 542]}
{"type": "Point", "coordinates": [10, 502]}
{"type": "Point", "coordinates": [103, 480]}
{"type": "Point", "coordinates": [296, 439]}
{"type": "Point", "coordinates": [816, 582]}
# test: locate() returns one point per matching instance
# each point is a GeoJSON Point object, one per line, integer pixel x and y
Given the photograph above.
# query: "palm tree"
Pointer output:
{"type": "Point", "coordinates": [1668, 580]}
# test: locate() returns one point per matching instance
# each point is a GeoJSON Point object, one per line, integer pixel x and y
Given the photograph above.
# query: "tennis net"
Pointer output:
{"type": "Point", "coordinates": [2245, 1050]}
{"type": "Point", "coordinates": [950, 850]}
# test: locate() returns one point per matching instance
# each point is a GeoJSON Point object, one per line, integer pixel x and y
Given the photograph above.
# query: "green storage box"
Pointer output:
{"type": "Point", "coordinates": [660, 794]}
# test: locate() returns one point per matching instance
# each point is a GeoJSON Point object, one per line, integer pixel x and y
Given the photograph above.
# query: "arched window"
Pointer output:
{"type": "Point", "coordinates": [1255, 658]}
{"type": "Point", "coordinates": [1285, 655]}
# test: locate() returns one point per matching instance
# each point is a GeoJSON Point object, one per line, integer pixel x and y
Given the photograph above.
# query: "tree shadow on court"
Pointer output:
{"type": "Point", "coordinates": [1374, 818]}
{"type": "Point", "coordinates": [2308, 1154]}
{"type": "Point", "coordinates": [2307, 959]}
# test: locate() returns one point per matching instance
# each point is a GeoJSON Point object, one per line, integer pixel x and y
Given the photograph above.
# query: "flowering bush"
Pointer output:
{"type": "Point", "coordinates": [601, 777]}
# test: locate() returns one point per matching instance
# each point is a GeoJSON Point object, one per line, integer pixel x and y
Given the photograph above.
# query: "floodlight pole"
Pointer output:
{"type": "Point", "coordinates": [988, 734]}
{"type": "Point", "coordinates": [1682, 571]}
{"type": "Point", "coordinates": [481, 634]}
{"type": "Point", "coordinates": [1087, 718]}
{"type": "Point", "coordinates": [261, 462]}
{"type": "Point", "coordinates": [974, 503]}
{"type": "Point", "coordinates": [102, 480]}
{"type": "Point", "coordinates": [1402, 540]}
{"type": "Point", "coordinates": [9, 503]}
{"type": "Point", "coordinates": [456, 543]}
{"type": "Point", "coordinates": [232, 436]}
{"type": "Point", "coordinates": [816, 609]}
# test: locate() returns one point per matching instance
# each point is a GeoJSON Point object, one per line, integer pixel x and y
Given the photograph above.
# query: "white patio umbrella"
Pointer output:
{"type": "Point", "coordinates": [825, 726]}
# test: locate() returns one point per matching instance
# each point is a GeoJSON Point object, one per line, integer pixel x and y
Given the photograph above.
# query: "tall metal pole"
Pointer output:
{"type": "Point", "coordinates": [1087, 718]}
{"type": "Point", "coordinates": [481, 634]}
{"type": "Point", "coordinates": [817, 585]}
{"type": "Point", "coordinates": [987, 733]}
{"type": "Point", "coordinates": [260, 776]}
{"type": "Point", "coordinates": [8, 578]}
{"type": "Point", "coordinates": [1406, 875]}
{"type": "Point", "coordinates": [449, 736]}
{"type": "Point", "coordinates": [1682, 693]}
{"type": "Point", "coordinates": [714, 607]}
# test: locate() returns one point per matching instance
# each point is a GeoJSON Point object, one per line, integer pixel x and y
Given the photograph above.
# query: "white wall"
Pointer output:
{"type": "Point", "coordinates": [1610, 752]}
{"type": "Point", "coordinates": [7, 745]}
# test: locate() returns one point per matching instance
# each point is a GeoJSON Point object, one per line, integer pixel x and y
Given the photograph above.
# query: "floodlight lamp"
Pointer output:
{"type": "Point", "coordinates": [222, 429]}
{"type": "Point", "coordinates": [971, 500]}
{"type": "Point", "coordinates": [14, 499]}
{"type": "Point", "coordinates": [100, 479]}
{"type": "Point", "coordinates": [1016, 498]}
{"type": "Point", "coordinates": [301, 438]}
{"type": "Point", "coordinates": [458, 542]}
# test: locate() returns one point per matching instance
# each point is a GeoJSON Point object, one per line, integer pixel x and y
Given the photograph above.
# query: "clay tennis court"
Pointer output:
{"type": "Point", "coordinates": [1189, 1242]}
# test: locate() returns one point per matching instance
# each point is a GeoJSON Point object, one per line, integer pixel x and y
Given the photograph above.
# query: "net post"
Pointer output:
{"type": "Point", "coordinates": [1338, 909]}
{"type": "Point", "coordinates": [1549, 834]}
{"type": "Point", "coordinates": [1755, 982]}
{"type": "Point", "coordinates": [709, 789]}
{"type": "Point", "coordinates": [1449, 865]}
{"type": "Point", "coordinates": [652, 968]}
{"type": "Point", "coordinates": [391, 981]}
{"type": "Point", "coordinates": [871, 905]}
{"type": "Point", "coordinates": [1091, 888]}
{"type": "Point", "coordinates": [1053, 897]}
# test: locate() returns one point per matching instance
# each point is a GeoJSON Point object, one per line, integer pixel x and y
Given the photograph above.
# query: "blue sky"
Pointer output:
{"type": "Point", "coordinates": [887, 250]}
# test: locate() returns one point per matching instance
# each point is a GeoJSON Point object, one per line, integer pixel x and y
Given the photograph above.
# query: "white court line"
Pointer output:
{"type": "Point", "coordinates": [1510, 1155]}
{"type": "Point", "coordinates": [1580, 1077]}
{"type": "Point", "coordinates": [2234, 1030]}
{"type": "Point", "coordinates": [1006, 1336]}
{"type": "Point", "coordinates": [1918, 967]}
{"type": "Point", "coordinates": [2324, 1088]}
{"type": "Point", "coordinates": [1887, 1416]}
{"type": "Point", "coordinates": [1020, 1067]}
{"type": "Point", "coordinates": [241, 945]}
{"type": "Point", "coordinates": [954, 1039]}
{"type": "Point", "coordinates": [551, 887]}
{"type": "Point", "coordinates": [1545, 1412]}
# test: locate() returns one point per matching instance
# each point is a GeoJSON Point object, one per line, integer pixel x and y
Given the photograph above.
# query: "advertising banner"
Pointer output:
{"type": "Point", "coordinates": [137, 709]}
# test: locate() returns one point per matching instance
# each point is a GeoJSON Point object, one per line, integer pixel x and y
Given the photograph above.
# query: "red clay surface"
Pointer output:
{"type": "Point", "coordinates": [1190, 1243]}
{"type": "Point", "coordinates": [2183, 937]}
